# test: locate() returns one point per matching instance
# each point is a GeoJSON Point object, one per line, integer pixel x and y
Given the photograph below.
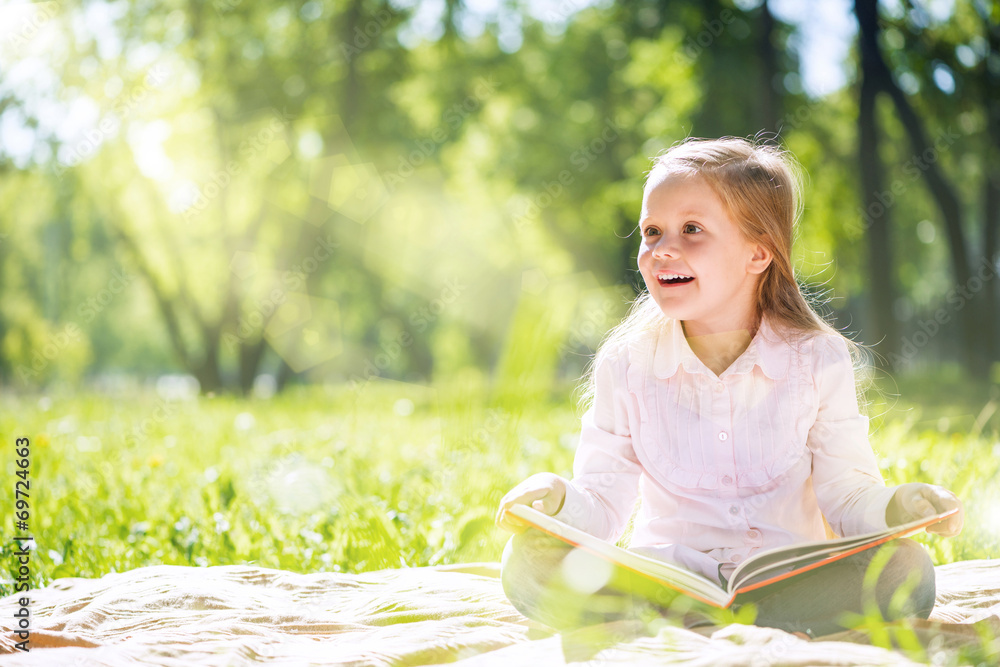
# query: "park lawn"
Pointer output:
{"type": "Point", "coordinates": [313, 479]}
{"type": "Point", "coordinates": [350, 480]}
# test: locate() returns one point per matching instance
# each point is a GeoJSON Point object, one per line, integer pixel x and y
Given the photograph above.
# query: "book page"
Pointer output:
{"type": "Point", "coordinates": [759, 569]}
{"type": "Point", "coordinates": [663, 572]}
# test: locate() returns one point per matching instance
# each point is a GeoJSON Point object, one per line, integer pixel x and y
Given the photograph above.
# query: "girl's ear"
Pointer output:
{"type": "Point", "coordinates": [760, 260]}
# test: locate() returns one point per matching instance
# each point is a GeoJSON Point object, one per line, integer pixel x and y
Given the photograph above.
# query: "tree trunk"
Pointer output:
{"type": "Point", "coordinates": [350, 93]}
{"type": "Point", "coordinates": [885, 333]}
{"type": "Point", "coordinates": [950, 206]}
{"type": "Point", "coordinates": [285, 373]}
{"type": "Point", "coordinates": [974, 343]}
{"type": "Point", "coordinates": [770, 99]}
{"type": "Point", "coordinates": [207, 372]}
{"type": "Point", "coordinates": [250, 357]}
{"type": "Point", "coordinates": [991, 257]}
{"type": "Point", "coordinates": [991, 187]}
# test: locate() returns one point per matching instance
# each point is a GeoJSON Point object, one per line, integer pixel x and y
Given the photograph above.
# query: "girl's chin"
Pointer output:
{"type": "Point", "coordinates": [671, 311]}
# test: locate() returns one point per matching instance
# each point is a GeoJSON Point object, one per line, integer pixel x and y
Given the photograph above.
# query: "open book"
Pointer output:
{"type": "Point", "coordinates": [762, 569]}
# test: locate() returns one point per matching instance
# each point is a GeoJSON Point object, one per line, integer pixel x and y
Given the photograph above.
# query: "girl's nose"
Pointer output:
{"type": "Point", "coordinates": [665, 247]}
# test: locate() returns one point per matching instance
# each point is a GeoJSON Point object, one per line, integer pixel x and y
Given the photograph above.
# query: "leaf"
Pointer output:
{"type": "Point", "coordinates": [473, 528]}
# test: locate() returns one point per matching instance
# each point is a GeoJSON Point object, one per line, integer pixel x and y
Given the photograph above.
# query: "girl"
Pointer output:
{"type": "Point", "coordinates": [729, 407]}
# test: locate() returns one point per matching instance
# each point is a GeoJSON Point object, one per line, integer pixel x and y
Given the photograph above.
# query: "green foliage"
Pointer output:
{"type": "Point", "coordinates": [241, 134]}
{"type": "Point", "coordinates": [233, 139]}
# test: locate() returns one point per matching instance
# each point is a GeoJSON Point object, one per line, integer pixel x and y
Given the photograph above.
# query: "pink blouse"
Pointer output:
{"type": "Point", "coordinates": [725, 465]}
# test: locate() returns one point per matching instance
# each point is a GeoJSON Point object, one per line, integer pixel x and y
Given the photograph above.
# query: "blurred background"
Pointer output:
{"type": "Point", "coordinates": [239, 195]}
{"type": "Point", "coordinates": [310, 284]}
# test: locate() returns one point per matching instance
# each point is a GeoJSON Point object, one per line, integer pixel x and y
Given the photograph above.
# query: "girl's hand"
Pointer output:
{"type": "Point", "coordinates": [544, 492]}
{"type": "Point", "coordinates": [915, 501]}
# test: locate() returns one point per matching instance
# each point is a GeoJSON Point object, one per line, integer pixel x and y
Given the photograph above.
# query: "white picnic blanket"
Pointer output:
{"type": "Point", "coordinates": [244, 615]}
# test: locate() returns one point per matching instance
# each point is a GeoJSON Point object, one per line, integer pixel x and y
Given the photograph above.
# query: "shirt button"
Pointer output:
{"type": "Point", "coordinates": [735, 558]}
{"type": "Point", "coordinates": [719, 388]}
{"type": "Point", "coordinates": [752, 534]}
{"type": "Point", "coordinates": [727, 480]}
{"type": "Point", "coordinates": [723, 436]}
{"type": "Point", "coordinates": [733, 509]}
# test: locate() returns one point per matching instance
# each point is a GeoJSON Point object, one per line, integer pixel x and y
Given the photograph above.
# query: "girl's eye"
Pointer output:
{"type": "Point", "coordinates": [691, 228]}
{"type": "Point", "coordinates": [651, 231]}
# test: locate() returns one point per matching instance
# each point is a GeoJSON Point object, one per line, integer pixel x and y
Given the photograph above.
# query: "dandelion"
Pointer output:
{"type": "Point", "coordinates": [244, 421]}
{"type": "Point", "coordinates": [187, 533]}
{"type": "Point", "coordinates": [311, 536]}
{"type": "Point", "coordinates": [221, 523]}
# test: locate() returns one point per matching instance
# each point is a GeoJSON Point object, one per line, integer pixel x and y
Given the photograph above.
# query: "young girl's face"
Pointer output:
{"type": "Point", "coordinates": [696, 263]}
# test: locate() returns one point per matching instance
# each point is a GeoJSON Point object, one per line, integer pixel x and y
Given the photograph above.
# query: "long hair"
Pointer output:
{"type": "Point", "coordinates": [760, 186]}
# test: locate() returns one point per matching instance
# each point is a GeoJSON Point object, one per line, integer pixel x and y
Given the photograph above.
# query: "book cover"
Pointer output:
{"type": "Point", "coordinates": [762, 569]}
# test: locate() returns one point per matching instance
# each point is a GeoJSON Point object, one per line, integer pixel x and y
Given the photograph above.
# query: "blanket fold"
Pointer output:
{"type": "Point", "coordinates": [243, 615]}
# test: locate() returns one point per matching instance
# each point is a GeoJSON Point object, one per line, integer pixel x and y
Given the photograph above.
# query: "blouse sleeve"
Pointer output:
{"type": "Point", "coordinates": [845, 474]}
{"type": "Point", "coordinates": [604, 488]}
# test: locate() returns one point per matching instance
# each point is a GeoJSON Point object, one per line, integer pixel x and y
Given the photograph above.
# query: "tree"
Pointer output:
{"type": "Point", "coordinates": [975, 296]}
{"type": "Point", "coordinates": [875, 78]}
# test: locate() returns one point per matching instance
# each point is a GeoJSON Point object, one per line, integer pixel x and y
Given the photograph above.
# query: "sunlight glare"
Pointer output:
{"type": "Point", "coordinates": [585, 572]}
{"type": "Point", "coordinates": [146, 141]}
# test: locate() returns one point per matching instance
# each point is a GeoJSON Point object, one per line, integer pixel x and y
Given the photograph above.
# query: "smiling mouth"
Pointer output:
{"type": "Point", "coordinates": [667, 279]}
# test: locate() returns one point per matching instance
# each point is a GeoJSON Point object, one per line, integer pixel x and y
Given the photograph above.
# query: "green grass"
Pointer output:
{"type": "Point", "coordinates": [314, 479]}
{"type": "Point", "coordinates": [392, 475]}
{"type": "Point", "coordinates": [334, 479]}
{"type": "Point", "coordinates": [944, 430]}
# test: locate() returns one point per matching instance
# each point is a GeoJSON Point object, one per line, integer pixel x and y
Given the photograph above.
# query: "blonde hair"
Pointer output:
{"type": "Point", "coordinates": [760, 187]}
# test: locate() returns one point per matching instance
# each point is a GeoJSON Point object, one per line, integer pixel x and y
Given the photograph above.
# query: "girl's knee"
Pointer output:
{"type": "Point", "coordinates": [513, 566]}
{"type": "Point", "coordinates": [530, 560]}
{"type": "Point", "coordinates": [907, 588]}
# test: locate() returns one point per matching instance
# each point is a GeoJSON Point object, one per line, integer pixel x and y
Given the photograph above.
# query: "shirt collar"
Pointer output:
{"type": "Point", "coordinates": [766, 350]}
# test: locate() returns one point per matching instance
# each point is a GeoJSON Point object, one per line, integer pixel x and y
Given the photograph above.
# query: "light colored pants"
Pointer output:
{"type": "Point", "coordinates": [819, 602]}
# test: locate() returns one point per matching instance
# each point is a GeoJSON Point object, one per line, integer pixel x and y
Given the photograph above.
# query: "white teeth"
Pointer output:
{"type": "Point", "coordinates": [671, 276]}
